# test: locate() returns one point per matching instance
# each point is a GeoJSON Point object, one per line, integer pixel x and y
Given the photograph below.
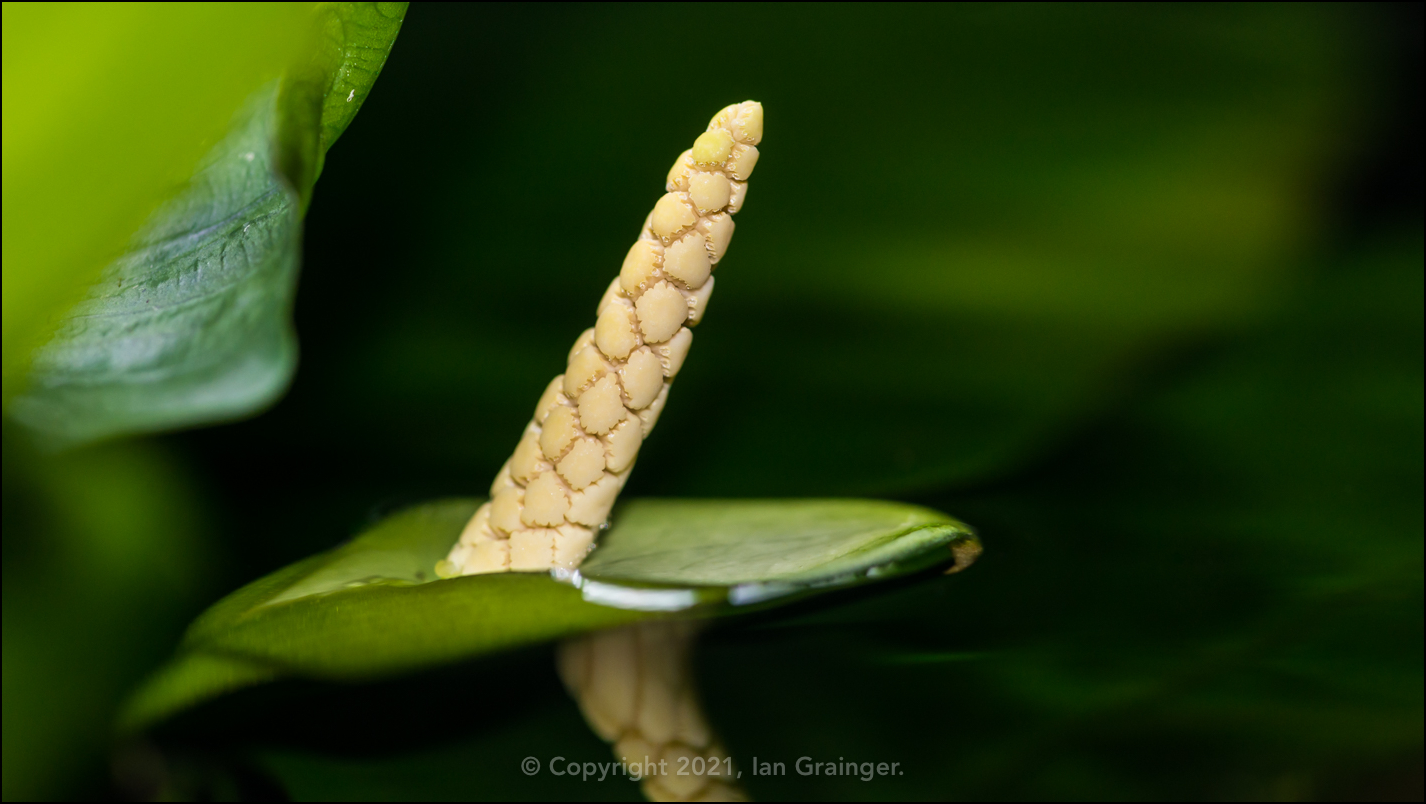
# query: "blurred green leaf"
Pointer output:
{"type": "Point", "coordinates": [373, 607]}
{"type": "Point", "coordinates": [192, 325]}
{"type": "Point", "coordinates": [106, 553]}
{"type": "Point", "coordinates": [106, 110]}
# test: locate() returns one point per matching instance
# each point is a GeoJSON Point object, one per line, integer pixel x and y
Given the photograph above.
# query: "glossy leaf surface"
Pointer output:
{"type": "Point", "coordinates": [373, 607]}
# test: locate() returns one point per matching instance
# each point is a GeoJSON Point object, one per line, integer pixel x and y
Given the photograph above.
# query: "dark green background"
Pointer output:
{"type": "Point", "coordinates": [1134, 290]}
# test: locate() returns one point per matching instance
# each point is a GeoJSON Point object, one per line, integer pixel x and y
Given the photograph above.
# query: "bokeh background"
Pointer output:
{"type": "Point", "coordinates": [1136, 291]}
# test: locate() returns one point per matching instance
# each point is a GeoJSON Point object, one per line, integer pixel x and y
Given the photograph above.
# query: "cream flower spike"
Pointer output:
{"type": "Point", "coordinates": [555, 492]}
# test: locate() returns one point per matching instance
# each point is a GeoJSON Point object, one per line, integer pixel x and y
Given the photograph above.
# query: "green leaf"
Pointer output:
{"type": "Point", "coordinates": [192, 325]}
{"type": "Point", "coordinates": [323, 95]}
{"type": "Point", "coordinates": [106, 111]}
{"type": "Point", "coordinates": [189, 680]}
{"type": "Point", "coordinates": [791, 542]}
{"type": "Point", "coordinates": [374, 607]}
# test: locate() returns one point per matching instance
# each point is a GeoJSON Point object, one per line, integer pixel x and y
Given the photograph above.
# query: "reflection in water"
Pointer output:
{"type": "Point", "coordinates": [635, 686]}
